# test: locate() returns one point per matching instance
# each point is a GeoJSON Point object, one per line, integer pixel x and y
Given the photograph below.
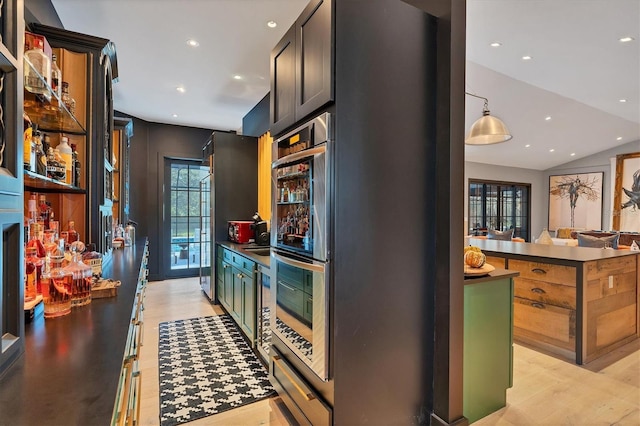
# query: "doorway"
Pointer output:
{"type": "Point", "coordinates": [183, 216]}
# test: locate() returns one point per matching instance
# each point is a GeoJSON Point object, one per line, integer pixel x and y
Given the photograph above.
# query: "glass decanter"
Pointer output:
{"type": "Point", "coordinates": [56, 288]}
{"type": "Point", "coordinates": [81, 273]}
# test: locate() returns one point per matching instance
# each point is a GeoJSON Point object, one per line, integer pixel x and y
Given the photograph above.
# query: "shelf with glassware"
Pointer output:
{"type": "Point", "coordinates": [58, 136]}
{"type": "Point", "coordinates": [122, 133]}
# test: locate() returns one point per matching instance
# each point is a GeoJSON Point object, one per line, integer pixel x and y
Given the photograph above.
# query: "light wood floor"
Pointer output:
{"type": "Point", "coordinates": [546, 391]}
{"type": "Point", "coordinates": [181, 299]}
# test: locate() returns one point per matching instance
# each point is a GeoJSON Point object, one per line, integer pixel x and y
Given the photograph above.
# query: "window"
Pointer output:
{"type": "Point", "coordinates": [501, 206]}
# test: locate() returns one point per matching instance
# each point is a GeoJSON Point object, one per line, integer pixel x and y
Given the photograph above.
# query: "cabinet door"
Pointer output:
{"type": "Point", "coordinates": [219, 279]}
{"type": "Point", "coordinates": [314, 58]}
{"type": "Point", "coordinates": [236, 312]}
{"type": "Point", "coordinates": [248, 317]}
{"type": "Point", "coordinates": [227, 294]}
{"type": "Point", "coordinates": [283, 71]}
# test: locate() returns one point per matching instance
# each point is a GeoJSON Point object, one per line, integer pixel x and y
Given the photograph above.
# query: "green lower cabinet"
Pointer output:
{"type": "Point", "coordinates": [236, 288]}
{"type": "Point", "coordinates": [227, 297]}
{"type": "Point", "coordinates": [488, 346]}
{"type": "Point", "coordinates": [248, 317]}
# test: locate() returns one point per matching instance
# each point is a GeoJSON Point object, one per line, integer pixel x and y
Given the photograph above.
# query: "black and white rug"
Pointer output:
{"type": "Point", "coordinates": [206, 367]}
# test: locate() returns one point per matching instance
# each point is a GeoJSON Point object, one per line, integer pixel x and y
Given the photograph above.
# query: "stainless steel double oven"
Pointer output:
{"type": "Point", "coordinates": [300, 237]}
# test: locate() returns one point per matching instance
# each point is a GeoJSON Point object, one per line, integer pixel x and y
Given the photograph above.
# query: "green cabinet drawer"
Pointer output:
{"type": "Point", "coordinates": [242, 262]}
{"type": "Point", "coordinates": [226, 254]}
{"type": "Point", "coordinates": [291, 299]}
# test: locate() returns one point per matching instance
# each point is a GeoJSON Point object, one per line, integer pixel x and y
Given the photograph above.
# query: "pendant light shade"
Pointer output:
{"type": "Point", "coordinates": [487, 129]}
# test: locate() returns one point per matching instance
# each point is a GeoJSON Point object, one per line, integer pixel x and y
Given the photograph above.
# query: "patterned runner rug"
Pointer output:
{"type": "Point", "coordinates": [206, 367]}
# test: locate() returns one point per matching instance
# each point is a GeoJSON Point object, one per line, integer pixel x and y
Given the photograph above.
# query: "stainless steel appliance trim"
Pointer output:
{"type": "Point", "coordinates": [299, 156]}
{"type": "Point", "coordinates": [314, 266]}
{"type": "Point", "coordinates": [320, 128]}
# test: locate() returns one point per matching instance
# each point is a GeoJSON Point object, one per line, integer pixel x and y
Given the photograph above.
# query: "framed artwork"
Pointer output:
{"type": "Point", "coordinates": [626, 201]}
{"type": "Point", "coordinates": [575, 201]}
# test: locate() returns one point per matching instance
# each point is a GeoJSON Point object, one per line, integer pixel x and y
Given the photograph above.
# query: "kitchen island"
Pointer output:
{"type": "Point", "coordinates": [68, 374]}
{"type": "Point", "coordinates": [488, 342]}
{"type": "Point", "coordinates": [576, 302]}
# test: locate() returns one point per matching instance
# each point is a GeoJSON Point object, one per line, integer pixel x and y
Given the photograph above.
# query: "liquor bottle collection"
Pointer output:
{"type": "Point", "coordinates": [54, 261]}
{"type": "Point", "coordinates": [60, 163]}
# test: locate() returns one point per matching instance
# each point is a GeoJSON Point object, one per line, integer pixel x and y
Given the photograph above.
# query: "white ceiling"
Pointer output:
{"type": "Point", "coordinates": [578, 73]}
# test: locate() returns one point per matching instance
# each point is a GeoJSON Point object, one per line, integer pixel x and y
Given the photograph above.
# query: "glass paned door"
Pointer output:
{"type": "Point", "coordinates": [183, 216]}
{"type": "Point", "coordinates": [499, 205]}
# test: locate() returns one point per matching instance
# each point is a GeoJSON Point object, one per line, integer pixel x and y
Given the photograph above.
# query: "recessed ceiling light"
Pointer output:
{"type": "Point", "coordinates": [496, 44]}
{"type": "Point", "coordinates": [272, 24]}
{"type": "Point", "coordinates": [527, 146]}
{"type": "Point", "coordinates": [548, 117]}
{"type": "Point", "coordinates": [551, 150]}
{"type": "Point", "coordinates": [623, 100]}
{"type": "Point", "coordinates": [174, 115]}
{"type": "Point", "coordinates": [237, 77]}
{"type": "Point", "coordinates": [626, 39]}
{"type": "Point", "coordinates": [526, 58]}
{"type": "Point", "coordinates": [619, 138]}
{"type": "Point", "coordinates": [193, 43]}
{"type": "Point", "coordinates": [180, 89]}
{"type": "Point", "coordinates": [573, 154]}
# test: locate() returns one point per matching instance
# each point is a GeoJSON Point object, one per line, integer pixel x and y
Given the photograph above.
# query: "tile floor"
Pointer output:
{"type": "Point", "coordinates": [547, 391]}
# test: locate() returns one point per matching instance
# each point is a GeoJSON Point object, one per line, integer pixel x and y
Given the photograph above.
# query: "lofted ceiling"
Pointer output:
{"type": "Point", "coordinates": [578, 73]}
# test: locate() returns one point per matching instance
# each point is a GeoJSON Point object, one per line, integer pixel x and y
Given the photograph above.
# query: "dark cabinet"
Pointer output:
{"type": "Point", "coordinates": [302, 67]}
{"type": "Point", "coordinates": [283, 71]}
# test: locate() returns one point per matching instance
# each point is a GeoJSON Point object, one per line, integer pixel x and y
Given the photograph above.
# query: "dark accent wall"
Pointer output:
{"type": "Point", "coordinates": [256, 122]}
{"type": "Point", "coordinates": [150, 144]}
{"type": "Point", "coordinates": [385, 213]}
{"type": "Point", "coordinates": [41, 11]}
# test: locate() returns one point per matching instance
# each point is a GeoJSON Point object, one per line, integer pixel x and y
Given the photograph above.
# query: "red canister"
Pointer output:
{"type": "Point", "coordinates": [240, 231]}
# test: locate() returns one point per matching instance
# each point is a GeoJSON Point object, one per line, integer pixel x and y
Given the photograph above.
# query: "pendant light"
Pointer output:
{"type": "Point", "coordinates": [487, 129]}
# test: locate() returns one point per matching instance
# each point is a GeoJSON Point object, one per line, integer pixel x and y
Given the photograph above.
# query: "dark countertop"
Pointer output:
{"type": "Point", "coordinates": [69, 372]}
{"type": "Point", "coordinates": [240, 249]}
{"type": "Point", "coordinates": [543, 251]}
{"type": "Point", "coordinates": [496, 274]}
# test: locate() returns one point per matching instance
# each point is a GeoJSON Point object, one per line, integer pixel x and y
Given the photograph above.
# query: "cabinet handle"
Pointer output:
{"type": "Point", "coordinates": [538, 290]}
{"type": "Point", "coordinates": [537, 305]}
{"type": "Point", "coordinates": [224, 266]}
{"type": "Point", "coordinates": [306, 395]}
{"type": "Point", "coordinates": [240, 276]}
{"type": "Point", "coordinates": [286, 286]}
{"type": "Point", "coordinates": [538, 271]}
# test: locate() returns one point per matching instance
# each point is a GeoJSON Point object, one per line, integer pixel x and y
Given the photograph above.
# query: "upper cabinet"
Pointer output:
{"type": "Point", "coordinates": [89, 68]}
{"type": "Point", "coordinates": [302, 67]}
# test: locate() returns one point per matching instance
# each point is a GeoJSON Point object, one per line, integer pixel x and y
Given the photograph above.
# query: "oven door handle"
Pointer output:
{"type": "Point", "coordinates": [307, 153]}
{"type": "Point", "coordinates": [297, 264]}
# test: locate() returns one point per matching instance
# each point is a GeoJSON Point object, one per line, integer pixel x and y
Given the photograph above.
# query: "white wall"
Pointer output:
{"type": "Point", "coordinates": [539, 181]}
{"type": "Point", "coordinates": [536, 178]}
{"type": "Point", "coordinates": [600, 162]}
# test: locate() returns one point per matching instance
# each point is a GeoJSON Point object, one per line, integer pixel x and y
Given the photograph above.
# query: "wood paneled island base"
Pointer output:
{"type": "Point", "coordinates": [579, 303]}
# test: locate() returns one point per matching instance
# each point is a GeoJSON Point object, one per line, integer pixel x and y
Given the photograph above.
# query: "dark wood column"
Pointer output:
{"type": "Point", "coordinates": [449, 297]}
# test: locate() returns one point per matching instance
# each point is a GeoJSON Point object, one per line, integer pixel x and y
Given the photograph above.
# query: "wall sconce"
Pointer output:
{"type": "Point", "coordinates": [487, 129]}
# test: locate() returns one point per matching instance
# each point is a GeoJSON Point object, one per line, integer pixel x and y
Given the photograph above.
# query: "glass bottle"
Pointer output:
{"type": "Point", "coordinates": [28, 152]}
{"type": "Point", "coordinates": [62, 170]}
{"type": "Point", "coordinates": [72, 233]}
{"type": "Point", "coordinates": [66, 99]}
{"type": "Point", "coordinates": [33, 271]}
{"type": "Point", "coordinates": [49, 243]}
{"type": "Point", "coordinates": [44, 211]}
{"type": "Point", "coordinates": [34, 239]}
{"type": "Point", "coordinates": [40, 156]}
{"type": "Point", "coordinates": [40, 69]}
{"type": "Point", "coordinates": [56, 77]}
{"type": "Point", "coordinates": [76, 166]}
{"type": "Point", "coordinates": [67, 156]}
{"type": "Point", "coordinates": [81, 273]}
{"type": "Point", "coordinates": [56, 288]}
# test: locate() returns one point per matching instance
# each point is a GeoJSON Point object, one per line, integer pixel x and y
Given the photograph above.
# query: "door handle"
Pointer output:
{"type": "Point", "coordinates": [306, 395]}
